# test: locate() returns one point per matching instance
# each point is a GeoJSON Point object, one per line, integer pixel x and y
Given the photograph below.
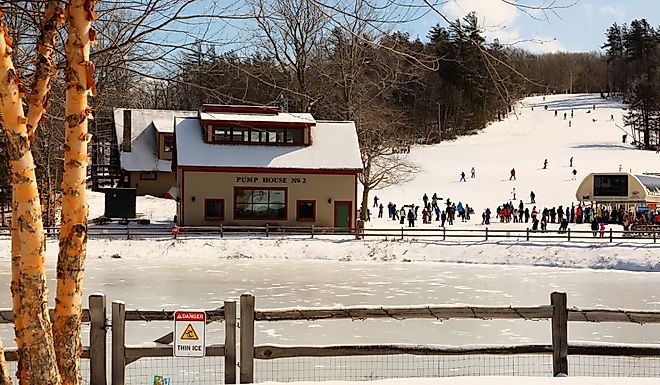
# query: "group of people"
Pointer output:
{"type": "Point", "coordinates": [446, 212]}
{"type": "Point", "coordinates": [508, 212]}
{"type": "Point", "coordinates": [431, 211]}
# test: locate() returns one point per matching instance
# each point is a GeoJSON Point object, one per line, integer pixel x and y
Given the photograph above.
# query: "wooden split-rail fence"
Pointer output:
{"type": "Point", "coordinates": [647, 234]}
{"type": "Point", "coordinates": [122, 355]}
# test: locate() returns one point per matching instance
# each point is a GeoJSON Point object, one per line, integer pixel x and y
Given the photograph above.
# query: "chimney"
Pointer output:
{"type": "Point", "coordinates": [128, 133]}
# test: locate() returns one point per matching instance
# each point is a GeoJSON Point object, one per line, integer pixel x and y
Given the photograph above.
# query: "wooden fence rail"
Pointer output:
{"type": "Point", "coordinates": [123, 355]}
{"type": "Point", "coordinates": [557, 312]}
{"type": "Point", "coordinates": [439, 233]}
{"type": "Point", "coordinates": [95, 350]}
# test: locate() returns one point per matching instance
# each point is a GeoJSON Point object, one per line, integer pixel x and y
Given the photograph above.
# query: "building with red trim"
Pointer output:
{"type": "Point", "coordinates": [244, 165]}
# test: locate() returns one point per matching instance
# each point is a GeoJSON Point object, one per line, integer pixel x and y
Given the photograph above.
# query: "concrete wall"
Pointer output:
{"type": "Point", "coordinates": [220, 185]}
{"type": "Point", "coordinates": [164, 181]}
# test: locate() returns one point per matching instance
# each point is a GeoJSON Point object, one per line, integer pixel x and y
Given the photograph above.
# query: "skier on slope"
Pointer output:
{"type": "Point", "coordinates": [532, 197]}
{"type": "Point", "coordinates": [545, 164]}
{"type": "Point", "coordinates": [513, 174]}
{"type": "Point", "coordinates": [462, 177]}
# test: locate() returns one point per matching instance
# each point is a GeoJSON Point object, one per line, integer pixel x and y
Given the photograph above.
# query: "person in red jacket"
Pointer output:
{"type": "Point", "coordinates": [513, 174]}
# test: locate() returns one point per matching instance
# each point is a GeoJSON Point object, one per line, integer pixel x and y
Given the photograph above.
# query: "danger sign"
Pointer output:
{"type": "Point", "coordinates": [189, 333]}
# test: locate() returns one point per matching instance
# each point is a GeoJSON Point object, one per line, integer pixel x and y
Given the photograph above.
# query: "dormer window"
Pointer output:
{"type": "Point", "coordinates": [259, 135]}
{"type": "Point", "coordinates": [255, 125]}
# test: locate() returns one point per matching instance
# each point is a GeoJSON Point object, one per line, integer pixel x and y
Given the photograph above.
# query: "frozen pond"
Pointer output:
{"type": "Point", "coordinates": [205, 284]}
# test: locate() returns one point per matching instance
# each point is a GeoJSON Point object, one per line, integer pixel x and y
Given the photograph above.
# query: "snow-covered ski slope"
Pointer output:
{"type": "Point", "coordinates": [523, 141]}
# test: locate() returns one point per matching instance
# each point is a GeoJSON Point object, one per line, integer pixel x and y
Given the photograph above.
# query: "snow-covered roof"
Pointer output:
{"type": "Point", "coordinates": [282, 117]}
{"type": "Point", "coordinates": [144, 125]}
{"type": "Point", "coordinates": [651, 183]}
{"type": "Point", "coordinates": [334, 146]}
{"type": "Point", "coordinates": [143, 156]}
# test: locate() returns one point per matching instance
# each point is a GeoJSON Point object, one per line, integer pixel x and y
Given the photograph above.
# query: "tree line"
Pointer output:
{"type": "Point", "coordinates": [453, 83]}
{"type": "Point", "coordinates": [633, 54]}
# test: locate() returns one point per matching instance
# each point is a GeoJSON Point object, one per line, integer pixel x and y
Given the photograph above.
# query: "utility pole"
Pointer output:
{"type": "Point", "coordinates": [570, 76]}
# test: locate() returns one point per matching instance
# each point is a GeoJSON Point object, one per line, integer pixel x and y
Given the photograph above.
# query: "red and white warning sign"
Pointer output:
{"type": "Point", "coordinates": [189, 334]}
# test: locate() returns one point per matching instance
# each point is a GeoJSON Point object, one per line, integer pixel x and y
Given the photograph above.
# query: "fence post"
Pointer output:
{"type": "Point", "coordinates": [568, 231]}
{"type": "Point", "coordinates": [486, 233]}
{"type": "Point", "coordinates": [527, 234]}
{"type": "Point", "coordinates": [653, 235]}
{"type": "Point", "coordinates": [443, 234]}
{"type": "Point", "coordinates": [610, 234]}
{"type": "Point", "coordinates": [559, 334]}
{"type": "Point", "coordinates": [118, 342]}
{"type": "Point", "coordinates": [402, 233]}
{"type": "Point", "coordinates": [266, 229]}
{"type": "Point", "coordinates": [97, 339]}
{"type": "Point", "coordinates": [222, 231]}
{"type": "Point", "coordinates": [312, 231]}
{"type": "Point", "coordinates": [128, 231]}
{"type": "Point", "coordinates": [230, 342]}
{"type": "Point", "coordinates": [247, 338]}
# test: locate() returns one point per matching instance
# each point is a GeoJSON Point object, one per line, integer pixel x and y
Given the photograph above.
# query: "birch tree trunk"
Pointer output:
{"type": "Point", "coordinates": [44, 67]}
{"type": "Point", "coordinates": [37, 335]}
{"type": "Point", "coordinates": [73, 232]}
{"type": "Point", "coordinates": [37, 104]}
{"type": "Point", "coordinates": [5, 379]}
{"type": "Point", "coordinates": [19, 323]}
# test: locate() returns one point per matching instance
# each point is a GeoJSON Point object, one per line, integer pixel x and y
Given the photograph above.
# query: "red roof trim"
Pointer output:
{"type": "Point", "coordinates": [237, 123]}
{"type": "Point", "coordinates": [240, 109]}
{"type": "Point", "coordinates": [265, 170]}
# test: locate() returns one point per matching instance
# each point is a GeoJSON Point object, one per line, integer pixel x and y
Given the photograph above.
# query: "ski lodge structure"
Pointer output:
{"type": "Point", "coordinates": [244, 165]}
{"type": "Point", "coordinates": [619, 188]}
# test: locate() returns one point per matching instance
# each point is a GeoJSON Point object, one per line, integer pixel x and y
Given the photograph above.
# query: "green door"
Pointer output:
{"type": "Point", "coordinates": [343, 214]}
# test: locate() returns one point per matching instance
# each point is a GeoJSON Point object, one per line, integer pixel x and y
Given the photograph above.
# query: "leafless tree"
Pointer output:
{"type": "Point", "coordinates": [290, 31]}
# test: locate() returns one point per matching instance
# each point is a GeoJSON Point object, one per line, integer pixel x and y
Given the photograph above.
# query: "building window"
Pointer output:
{"type": "Point", "coordinates": [168, 143]}
{"type": "Point", "coordinates": [214, 209]}
{"type": "Point", "coordinates": [221, 134]}
{"type": "Point", "coordinates": [148, 175]}
{"type": "Point", "coordinates": [306, 211]}
{"type": "Point", "coordinates": [259, 203]}
{"type": "Point", "coordinates": [260, 135]}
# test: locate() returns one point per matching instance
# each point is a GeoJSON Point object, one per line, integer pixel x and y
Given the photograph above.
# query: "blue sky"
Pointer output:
{"type": "Point", "coordinates": [578, 28]}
